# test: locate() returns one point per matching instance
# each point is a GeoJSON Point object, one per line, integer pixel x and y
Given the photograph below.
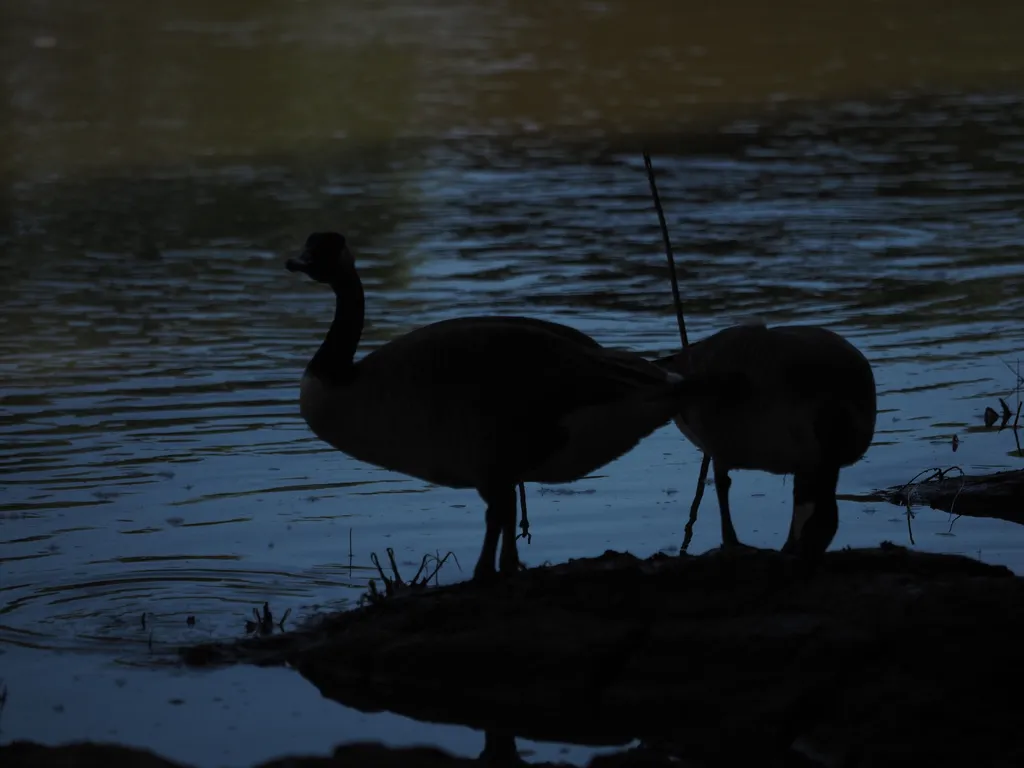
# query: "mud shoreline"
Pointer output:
{"type": "Point", "coordinates": [710, 658]}
{"type": "Point", "coordinates": [878, 655]}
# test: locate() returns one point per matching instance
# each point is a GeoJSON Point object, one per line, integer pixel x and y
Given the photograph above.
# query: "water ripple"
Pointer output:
{"type": "Point", "coordinates": [152, 342]}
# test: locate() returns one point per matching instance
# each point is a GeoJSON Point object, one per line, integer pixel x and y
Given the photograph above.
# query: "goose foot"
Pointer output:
{"type": "Point", "coordinates": [511, 565]}
{"type": "Point", "coordinates": [736, 549]}
{"type": "Point", "coordinates": [805, 564]}
{"type": "Point", "coordinates": [485, 575]}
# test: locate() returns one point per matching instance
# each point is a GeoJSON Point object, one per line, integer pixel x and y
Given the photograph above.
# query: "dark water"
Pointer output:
{"type": "Point", "coordinates": [159, 165]}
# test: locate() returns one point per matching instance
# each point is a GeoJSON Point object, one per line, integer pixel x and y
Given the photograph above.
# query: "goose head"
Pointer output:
{"type": "Point", "coordinates": [325, 258]}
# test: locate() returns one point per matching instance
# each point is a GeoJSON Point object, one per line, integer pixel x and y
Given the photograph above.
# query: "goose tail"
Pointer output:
{"type": "Point", "coordinates": [600, 433]}
{"type": "Point", "coordinates": [730, 385]}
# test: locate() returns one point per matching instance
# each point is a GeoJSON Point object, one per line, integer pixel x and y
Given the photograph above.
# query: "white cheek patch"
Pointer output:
{"type": "Point", "coordinates": [801, 514]}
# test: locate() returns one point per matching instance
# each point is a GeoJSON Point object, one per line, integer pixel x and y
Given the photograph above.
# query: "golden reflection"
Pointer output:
{"type": "Point", "coordinates": [121, 84]}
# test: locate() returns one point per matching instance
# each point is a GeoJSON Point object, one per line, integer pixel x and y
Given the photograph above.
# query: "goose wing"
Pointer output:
{"type": "Point", "coordinates": [525, 364]}
{"type": "Point", "coordinates": [801, 362]}
{"type": "Point", "coordinates": [505, 385]}
{"type": "Point", "coordinates": [782, 361]}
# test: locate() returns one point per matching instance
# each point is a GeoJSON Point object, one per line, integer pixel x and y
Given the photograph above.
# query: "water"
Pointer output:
{"type": "Point", "coordinates": [161, 164]}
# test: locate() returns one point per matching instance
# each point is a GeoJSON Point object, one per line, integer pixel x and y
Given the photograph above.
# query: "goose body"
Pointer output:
{"type": "Point", "coordinates": [797, 400]}
{"type": "Point", "coordinates": [446, 401]}
{"type": "Point", "coordinates": [481, 402]}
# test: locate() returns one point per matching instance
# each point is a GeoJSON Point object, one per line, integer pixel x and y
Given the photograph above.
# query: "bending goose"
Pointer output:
{"type": "Point", "coordinates": [476, 402]}
{"type": "Point", "coordinates": [794, 400]}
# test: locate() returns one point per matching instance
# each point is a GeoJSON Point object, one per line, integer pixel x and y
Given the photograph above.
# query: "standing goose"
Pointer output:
{"type": "Point", "coordinates": [794, 400]}
{"type": "Point", "coordinates": [475, 402]}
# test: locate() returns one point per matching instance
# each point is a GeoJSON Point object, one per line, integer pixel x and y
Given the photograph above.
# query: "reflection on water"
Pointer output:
{"type": "Point", "coordinates": [157, 163]}
{"type": "Point", "coordinates": [165, 83]}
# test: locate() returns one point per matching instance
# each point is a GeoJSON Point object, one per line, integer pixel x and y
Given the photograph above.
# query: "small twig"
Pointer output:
{"type": "Point", "coordinates": [263, 624]}
{"type": "Point", "coordinates": [396, 585]}
{"type": "Point", "coordinates": [3, 701]}
{"type": "Point", "coordinates": [1015, 372]}
{"type": "Point", "coordinates": [938, 474]}
{"type": "Point", "coordinates": [394, 566]}
{"type": "Point", "coordinates": [1016, 418]}
{"type": "Point", "coordinates": [1007, 413]}
{"type": "Point", "coordinates": [423, 564]}
{"type": "Point", "coordinates": [705, 464]}
{"type": "Point", "coordinates": [668, 248]}
{"type": "Point", "coordinates": [952, 506]}
{"type": "Point", "coordinates": [1016, 431]}
{"type": "Point", "coordinates": [254, 625]}
{"type": "Point", "coordinates": [441, 562]}
{"type": "Point", "coordinates": [910, 530]}
{"type": "Point", "coordinates": [376, 562]}
{"type": "Point", "coordinates": [907, 489]}
{"type": "Point", "coordinates": [383, 576]}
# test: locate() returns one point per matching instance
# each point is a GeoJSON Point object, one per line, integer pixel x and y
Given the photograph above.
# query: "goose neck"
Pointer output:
{"type": "Point", "coordinates": [333, 362]}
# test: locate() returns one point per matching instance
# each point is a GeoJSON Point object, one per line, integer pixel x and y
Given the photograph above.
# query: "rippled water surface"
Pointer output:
{"type": "Point", "coordinates": [158, 167]}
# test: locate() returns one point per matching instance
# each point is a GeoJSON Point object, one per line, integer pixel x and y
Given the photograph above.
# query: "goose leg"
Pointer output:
{"type": "Point", "coordinates": [501, 523]}
{"type": "Point", "coordinates": [815, 513]}
{"type": "Point", "coordinates": [722, 484]}
{"type": "Point", "coordinates": [484, 570]}
{"type": "Point", "coordinates": [509, 562]}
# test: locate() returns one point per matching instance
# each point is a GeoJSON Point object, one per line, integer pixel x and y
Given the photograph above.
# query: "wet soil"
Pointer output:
{"type": "Point", "coordinates": [89, 755]}
{"type": "Point", "coordinates": [876, 655]}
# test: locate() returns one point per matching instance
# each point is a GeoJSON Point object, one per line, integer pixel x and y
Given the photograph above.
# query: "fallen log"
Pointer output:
{"type": "Point", "coordinates": [999, 495]}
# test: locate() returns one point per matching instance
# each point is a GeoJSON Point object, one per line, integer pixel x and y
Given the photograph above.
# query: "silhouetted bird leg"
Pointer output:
{"type": "Point", "coordinates": [722, 484]}
{"type": "Point", "coordinates": [500, 747]}
{"type": "Point", "coordinates": [509, 553]}
{"type": "Point", "coordinates": [730, 542]}
{"type": "Point", "coordinates": [815, 513]}
{"type": "Point", "coordinates": [524, 523]}
{"type": "Point", "coordinates": [484, 570]}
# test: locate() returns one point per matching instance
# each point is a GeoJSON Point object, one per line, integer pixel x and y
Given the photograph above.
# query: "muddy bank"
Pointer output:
{"type": "Point", "coordinates": [93, 755]}
{"type": "Point", "coordinates": [367, 755]}
{"type": "Point", "coordinates": [999, 495]}
{"type": "Point", "coordinates": [880, 653]}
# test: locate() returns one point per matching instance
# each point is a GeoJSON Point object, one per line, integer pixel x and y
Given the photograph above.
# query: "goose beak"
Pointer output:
{"type": "Point", "coordinates": [299, 264]}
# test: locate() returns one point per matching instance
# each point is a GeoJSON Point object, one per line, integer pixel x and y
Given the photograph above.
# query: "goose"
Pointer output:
{"type": "Point", "coordinates": [788, 399]}
{"type": "Point", "coordinates": [484, 402]}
